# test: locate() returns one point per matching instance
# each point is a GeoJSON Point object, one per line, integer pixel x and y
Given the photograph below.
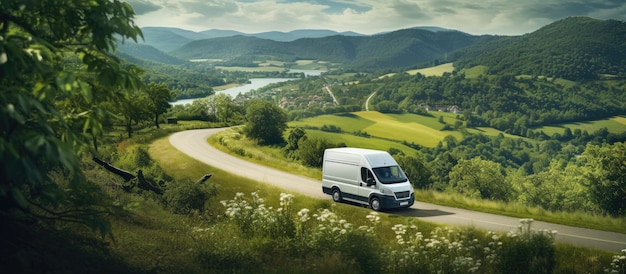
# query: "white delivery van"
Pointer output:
{"type": "Point", "coordinates": [366, 176]}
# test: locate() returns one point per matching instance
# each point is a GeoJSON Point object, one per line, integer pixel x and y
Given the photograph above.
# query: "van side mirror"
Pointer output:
{"type": "Point", "coordinates": [370, 181]}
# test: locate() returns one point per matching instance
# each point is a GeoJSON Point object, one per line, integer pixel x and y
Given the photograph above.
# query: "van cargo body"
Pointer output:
{"type": "Point", "coordinates": [366, 176]}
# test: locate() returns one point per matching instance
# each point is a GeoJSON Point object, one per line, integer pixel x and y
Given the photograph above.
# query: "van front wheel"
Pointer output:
{"type": "Point", "coordinates": [336, 195]}
{"type": "Point", "coordinates": [375, 203]}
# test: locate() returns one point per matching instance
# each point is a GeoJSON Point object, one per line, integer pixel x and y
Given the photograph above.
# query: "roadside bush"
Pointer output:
{"type": "Point", "coordinates": [618, 264]}
{"type": "Point", "coordinates": [185, 196]}
{"type": "Point", "coordinates": [527, 251]}
{"type": "Point", "coordinates": [326, 235]}
{"type": "Point", "coordinates": [311, 150]}
{"type": "Point", "coordinates": [133, 157]}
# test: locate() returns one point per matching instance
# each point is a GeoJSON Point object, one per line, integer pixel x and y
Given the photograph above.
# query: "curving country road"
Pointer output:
{"type": "Point", "coordinates": [194, 143]}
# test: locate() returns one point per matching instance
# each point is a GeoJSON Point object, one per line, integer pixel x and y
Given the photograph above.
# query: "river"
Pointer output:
{"type": "Point", "coordinates": [255, 83]}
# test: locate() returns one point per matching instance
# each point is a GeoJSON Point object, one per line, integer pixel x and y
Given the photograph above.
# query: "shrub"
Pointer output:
{"type": "Point", "coordinates": [185, 196]}
{"type": "Point", "coordinates": [527, 251]}
{"type": "Point", "coordinates": [618, 264]}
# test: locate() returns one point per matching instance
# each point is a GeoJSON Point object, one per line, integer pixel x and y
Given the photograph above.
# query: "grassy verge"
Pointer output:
{"type": "Point", "coordinates": [577, 219]}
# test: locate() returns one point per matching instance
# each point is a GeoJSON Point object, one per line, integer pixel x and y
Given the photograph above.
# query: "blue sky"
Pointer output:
{"type": "Point", "coordinates": [501, 17]}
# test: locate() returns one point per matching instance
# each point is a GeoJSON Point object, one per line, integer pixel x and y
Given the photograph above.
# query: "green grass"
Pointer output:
{"type": "Point", "coordinates": [430, 71]}
{"type": "Point", "coordinates": [474, 72]}
{"type": "Point", "coordinates": [514, 209]}
{"type": "Point", "coordinates": [422, 130]}
{"type": "Point", "coordinates": [348, 122]}
{"type": "Point", "coordinates": [433, 71]}
{"type": "Point", "coordinates": [615, 124]}
{"type": "Point", "coordinates": [363, 142]}
{"type": "Point", "coordinates": [252, 69]}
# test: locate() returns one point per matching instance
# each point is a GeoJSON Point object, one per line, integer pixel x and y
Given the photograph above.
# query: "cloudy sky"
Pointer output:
{"type": "Point", "coordinates": [503, 17]}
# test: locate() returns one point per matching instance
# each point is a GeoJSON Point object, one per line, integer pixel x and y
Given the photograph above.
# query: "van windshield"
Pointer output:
{"type": "Point", "coordinates": [390, 174]}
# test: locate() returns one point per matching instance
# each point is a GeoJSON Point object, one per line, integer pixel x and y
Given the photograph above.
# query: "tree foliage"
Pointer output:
{"type": "Point", "coordinates": [606, 176]}
{"type": "Point", "coordinates": [265, 122]}
{"type": "Point", "coordinates": [572, 48]}
{"type": "Point", "coordinates": [159, 97]}
{"type": "Point", "coordinates": [479, 178]}
{"type": "Point", "coordinates": [40, 127]}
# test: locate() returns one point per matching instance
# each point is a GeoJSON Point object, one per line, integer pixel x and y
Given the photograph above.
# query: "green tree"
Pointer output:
{"type": "Point", "coordinates": [133, 108]}
{"type": "Point", "coordinates": [557, 188]}
{"type": "Point", "coordinates": [606, 177]}
{"type": "Point", "coordinates": [159, 97]}
{"type": "Point", "coordinates": [40, 176]}
{"type": "Point", "coordinates": [418, 173]}
{"type": "Point", "coordinates": [387, 106]}
{"type": "Point", "coordinates": [291, 149]}
{"type": "Point", "coordinates": [266, 122]}
{"type": "Point", "coordinates": [479, 178]}
{"type": "Point", "coordinates": [311, 150]}
{"type": "Point", "coordinates": [222, 106]}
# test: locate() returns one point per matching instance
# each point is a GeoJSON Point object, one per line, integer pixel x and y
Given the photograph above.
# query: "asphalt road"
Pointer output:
{"type": "Point", "coordinates": [194, 143]}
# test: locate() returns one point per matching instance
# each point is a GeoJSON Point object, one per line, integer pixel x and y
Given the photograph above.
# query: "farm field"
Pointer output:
{"type": "Point", "coordinates": [615, 124]}
{"type": "Point", "coordinates": [252, 69]}
{"type": "Point", "coordinates": [430, 71]}
{"type": "Point", "coordinates": [277, 66]}
{"type": "Point", "coordinates": [433, 71]}
{"type": "Point", "coordinates": [422, 130]}
{"type": "Point", "coordinates": [363, 142]}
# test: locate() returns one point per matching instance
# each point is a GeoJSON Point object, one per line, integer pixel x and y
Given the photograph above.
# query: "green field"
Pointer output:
{"type": "Point", "coordinates": [412, 128]}
{"type": "Point", "coordinates": [615, 124]}
{"type": "Point", "coordinates": [475, 71]}
{"type": "Point", "coordinates": [430, 71]}
{"type": "Point", "coordinates": [433, 71]}
{"type": "Point", "coordinates": [363, 142]}
{"type": "Point", "coordinates": [251, 69]}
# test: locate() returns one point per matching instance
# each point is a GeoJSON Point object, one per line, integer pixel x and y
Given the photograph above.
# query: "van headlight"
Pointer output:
{"type": "Point", "coordinates": [386, 191]}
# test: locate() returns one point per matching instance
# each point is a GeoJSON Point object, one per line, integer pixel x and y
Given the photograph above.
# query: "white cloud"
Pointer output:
{"type": "Point", "coordinates": [371, 16]}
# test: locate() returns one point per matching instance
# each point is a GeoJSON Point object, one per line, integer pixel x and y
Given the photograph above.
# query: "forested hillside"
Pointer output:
{"type": "Point", "coordinates": [391, 50]}
{"type": "Point", "coordinates": [136, 53]}
{"type": "Point", "coordinates": [504, 102]}
{"type": "Point", "coordinates": [575, 48]}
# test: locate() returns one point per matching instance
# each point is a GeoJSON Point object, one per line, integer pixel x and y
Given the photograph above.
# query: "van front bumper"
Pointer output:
{"type": "Point", "coordinates": [392, 202]}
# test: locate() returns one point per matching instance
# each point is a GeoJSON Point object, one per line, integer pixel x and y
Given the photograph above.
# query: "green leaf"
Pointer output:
{"type": "Point", "coordinates": [18, 197]}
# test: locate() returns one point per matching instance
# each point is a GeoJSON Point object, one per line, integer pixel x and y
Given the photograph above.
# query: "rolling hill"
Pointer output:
{"type": "Point", "coordinates": [574, 48]}
{"type": "Point", "coordinates": [169, 39]}
{"type": "Point", "coordinates": [396, 49]}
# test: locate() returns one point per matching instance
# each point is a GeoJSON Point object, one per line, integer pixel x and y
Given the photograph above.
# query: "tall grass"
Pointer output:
{"type": "Point", "coordinates": [516, 209]}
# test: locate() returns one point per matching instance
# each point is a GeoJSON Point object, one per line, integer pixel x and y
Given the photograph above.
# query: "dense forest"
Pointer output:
{"type": "Point", "coordinates": [574, 48]}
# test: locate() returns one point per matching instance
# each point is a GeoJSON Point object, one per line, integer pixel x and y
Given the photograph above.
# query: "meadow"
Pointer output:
{"type": "Point", "coordinates": [429, 71]}
{"type": "Point", "coordinates": [615, 124]}
{"type": "Point", "coordinates": [426, 131]}
{"type": "Point", "coordinates": [279, 66]}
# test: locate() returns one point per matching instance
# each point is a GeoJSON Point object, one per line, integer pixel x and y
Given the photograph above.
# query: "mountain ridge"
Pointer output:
{"type": "Point", "coordinates": [399, 48]}
{"type": "Point", "coordinates": [570, 48]}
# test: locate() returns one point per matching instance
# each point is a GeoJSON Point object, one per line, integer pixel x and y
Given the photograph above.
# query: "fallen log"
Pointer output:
{"type": "Point", "coordinates": [204, 178]}
{"type": "Point", "coordinates": [127, 176]}
{"type": "Point", "coordinates": [145, 185]}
